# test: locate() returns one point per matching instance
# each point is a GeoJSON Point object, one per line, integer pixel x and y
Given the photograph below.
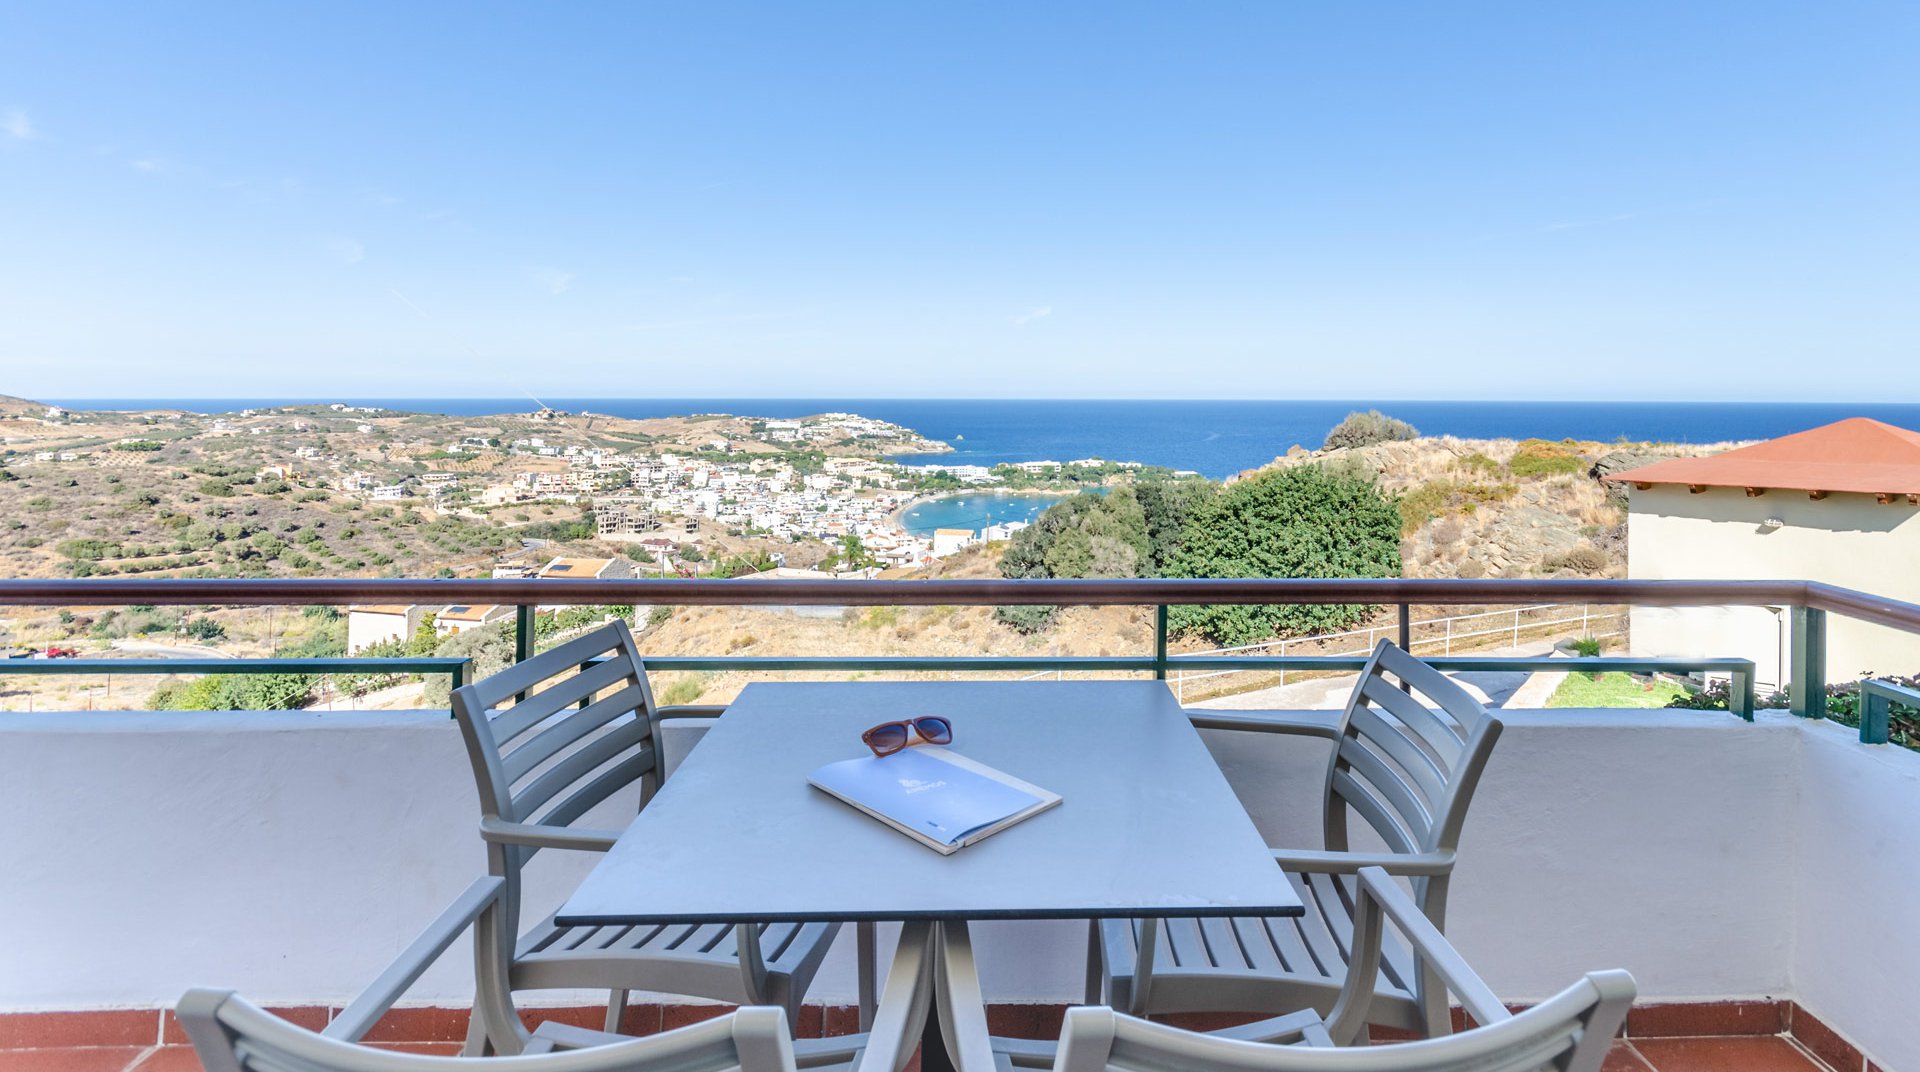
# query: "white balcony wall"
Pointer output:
{"type": "Point", "coordinates": [1856, 956]}
{"type": "Point", "coordinates": [291, 855]}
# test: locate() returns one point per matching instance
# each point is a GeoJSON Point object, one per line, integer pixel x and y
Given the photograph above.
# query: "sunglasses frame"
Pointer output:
{"type": "Point", "coordinates": [912, 728]}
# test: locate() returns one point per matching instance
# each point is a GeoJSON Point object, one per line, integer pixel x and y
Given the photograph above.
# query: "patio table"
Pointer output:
{"type": "Point", "coordinates": [1148, 826]}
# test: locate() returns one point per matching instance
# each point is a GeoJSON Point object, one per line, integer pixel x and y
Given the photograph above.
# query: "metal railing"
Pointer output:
{"type": "Point", "coordinates": [1810, 602]}
{"type": "Point", "coordinates": [1876, 707]}
{"type": "Point", "coordinates": [1512, 628]}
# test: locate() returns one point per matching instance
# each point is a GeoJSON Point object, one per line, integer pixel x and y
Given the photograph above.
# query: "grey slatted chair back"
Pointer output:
{"type": "Point", "coordinates": [548, 743]}
{"type": "Point", "coordinates": [231, 1034]}
{"type": "Point", "coordinates": [1407, 760]}
{"type": "Point", "coordinates": [1569, 1032]}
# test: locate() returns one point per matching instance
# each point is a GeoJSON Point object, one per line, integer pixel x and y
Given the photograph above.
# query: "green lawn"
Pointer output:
{"type": "Point", "coordinates": [1613, 689]}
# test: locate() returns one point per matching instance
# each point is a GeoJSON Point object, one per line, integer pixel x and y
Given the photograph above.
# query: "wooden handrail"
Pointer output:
{"type": "Point", "coordinates": [1881, 610]}
{"type": "Point", "coordinates": [996, 592]}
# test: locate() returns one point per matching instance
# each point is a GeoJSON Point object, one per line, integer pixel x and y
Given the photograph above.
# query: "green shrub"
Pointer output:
{"type": "Point", "coordinates": [1537, 457]}
{"type": "Point", "coordinates": [1366, 429]}
{"type": "Point", "coordinates": [1300, 522]}
{"type": "Point", "coordinates": [1586, 647]}
{"type": "Point", "coordinates": [1582, 559]}
{"type": "Point", "coordinates": [684, 690]}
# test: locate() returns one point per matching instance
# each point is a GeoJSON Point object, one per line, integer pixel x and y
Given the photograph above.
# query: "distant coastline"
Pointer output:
{"type": "Point", "coordinates": [1214, 438]}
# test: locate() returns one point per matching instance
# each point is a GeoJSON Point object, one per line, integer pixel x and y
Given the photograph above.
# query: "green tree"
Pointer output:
{"type": "Point", "coordinates": [1298, 522]}
{"type": "Point", "coordinates": [1167, 505]}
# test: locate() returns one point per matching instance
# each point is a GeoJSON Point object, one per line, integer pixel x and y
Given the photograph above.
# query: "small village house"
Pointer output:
{"type": "Point", "coordinates": [1839, 503]}
{"type": "Point", "coordinates": [459, 618]}
{"type": "Point", "coordinates": [377, 623]}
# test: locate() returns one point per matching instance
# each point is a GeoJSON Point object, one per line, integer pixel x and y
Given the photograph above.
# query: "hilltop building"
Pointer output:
{"type": "Point", "coordinates": [952, 541]}
{"type": "Point", "coordinates": [377, 623]}
{"type": "Point", "coordinates": [1839, 504]}
{"type": "Point", "coordinates": [459, 618]}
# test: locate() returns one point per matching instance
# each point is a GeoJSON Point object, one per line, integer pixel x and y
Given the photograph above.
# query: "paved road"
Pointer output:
{"type": "Point", "coordinates": [170, 651]}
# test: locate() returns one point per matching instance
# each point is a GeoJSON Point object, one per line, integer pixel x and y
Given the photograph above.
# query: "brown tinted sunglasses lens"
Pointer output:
{"type": "Point", "coordinates": [934, 730]}
{"type": "Point", "coordinates": [886, 740]}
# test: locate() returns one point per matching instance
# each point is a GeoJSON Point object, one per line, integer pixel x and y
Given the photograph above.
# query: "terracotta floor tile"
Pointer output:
{"type": "Point", "coordinates": [169, 1059]}
{"type": "Point", "coordinates": [1623, 1058]}
{"type": "Point", "coordinates": [1707, 1018]}
{"type": "Point", "coordinates": [420, 1024]}
{"type": "Point", "coordinates": [72, 1059]}
{"type": "Point", "coordinates": [1824, 1042]}
{"type": "Point", "coordinates": [98, 1027]}
{"type": "Point", "coordinates": [1749, 1053]}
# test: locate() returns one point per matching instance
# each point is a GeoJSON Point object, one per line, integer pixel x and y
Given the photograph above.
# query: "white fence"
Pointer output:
{"type": "Point", "coordinates": [1467, 632]}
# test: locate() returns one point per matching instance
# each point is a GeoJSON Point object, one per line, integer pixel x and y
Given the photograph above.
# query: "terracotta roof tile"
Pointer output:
{"type": "Point", "coordinates": [1855, 455]}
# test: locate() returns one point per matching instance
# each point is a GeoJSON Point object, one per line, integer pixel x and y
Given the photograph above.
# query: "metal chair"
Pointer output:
{"type": "Point", "coordinates": [1409, 772]}
{"type": "Point", "coordinates": [553, 737]}
{"type": "Point", "coordinates": [1569, 1032]}
{"type": "Point", "coordinates": [231, 1034]}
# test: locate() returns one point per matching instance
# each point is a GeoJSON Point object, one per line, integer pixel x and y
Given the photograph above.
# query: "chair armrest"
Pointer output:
{"type": "Point", "coordinates": [501, 832]}
{"type": "Point", "coordinates": [372, 1003]}
{"type": "Point", "coordinates": [1409, 864]}
{"type": "Point", "coordinates": [1431, 947]}
{"type": "Point", "coordinates": [691, 711]}
{"type": "Point", "coordinates": [1322, 724]}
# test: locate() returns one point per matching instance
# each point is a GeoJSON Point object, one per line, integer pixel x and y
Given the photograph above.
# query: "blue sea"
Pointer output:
{"type": "Point", "coordinates": [1211, 437]}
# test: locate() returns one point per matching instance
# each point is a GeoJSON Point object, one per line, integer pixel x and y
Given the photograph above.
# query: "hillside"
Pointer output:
{"type": "Point", "coordinates": [1502, 507]}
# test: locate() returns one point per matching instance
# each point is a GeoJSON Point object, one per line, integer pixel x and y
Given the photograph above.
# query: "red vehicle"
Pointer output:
{"type": "Point", "coordinates": [62, 653]}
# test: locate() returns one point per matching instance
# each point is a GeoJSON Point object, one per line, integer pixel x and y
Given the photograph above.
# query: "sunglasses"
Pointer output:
{"type": "Point", "coordinates": [890, 737]}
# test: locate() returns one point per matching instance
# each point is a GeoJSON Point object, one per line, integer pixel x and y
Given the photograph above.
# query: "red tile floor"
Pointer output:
{"type": "Point", "coordinates": [1718, 1037]}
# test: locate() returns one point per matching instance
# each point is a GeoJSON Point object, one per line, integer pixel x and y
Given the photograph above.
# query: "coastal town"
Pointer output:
{"type": "Point", "coordinates": [826, 493]}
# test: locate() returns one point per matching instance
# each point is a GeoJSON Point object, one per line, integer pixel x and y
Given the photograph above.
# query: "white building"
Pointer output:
{"type": "Point", "coordinates": [380, 622]}
{"type": "Point", "coordinates": [460, 618]}
{"type": "Point", "coordinates": [952, 541]}
{"type": "Point", "coordinates": [1839, 504]}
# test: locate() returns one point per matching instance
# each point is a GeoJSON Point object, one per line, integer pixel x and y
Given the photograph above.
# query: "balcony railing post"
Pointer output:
{"type": "Point", "coordinates": [1740, 694]}
{"type": "Point", "coordinates": [1875, 709]}
{"type": "Point", "coordinates": [522, 633]}
{"type": "Point", "coordinates": [1160, 642]}
{"type": "Point", "coordinates": [1406, 627]}
{"type": "Point", "coordinates": [1809, 670]}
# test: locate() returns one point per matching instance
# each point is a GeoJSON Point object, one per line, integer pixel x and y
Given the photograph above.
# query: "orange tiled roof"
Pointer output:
{"type": "Point", "coordinates": [381, 608]}
{"type": "Point", "coordinates": [575, 567]}
{"type": "Point", "coordinates": [1854, 455]}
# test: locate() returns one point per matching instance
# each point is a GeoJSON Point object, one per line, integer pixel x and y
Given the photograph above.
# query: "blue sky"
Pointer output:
{"type": "Point", "coordinates": [1402, 200]}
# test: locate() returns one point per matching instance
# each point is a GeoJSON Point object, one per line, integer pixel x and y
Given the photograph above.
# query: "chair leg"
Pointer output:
{"type": "Point", "coordinates": [616, 1009]}
{"type": "Point", "coordinates": [864, 951]}
{"type": "Point", "coordinates": [476, 1044]}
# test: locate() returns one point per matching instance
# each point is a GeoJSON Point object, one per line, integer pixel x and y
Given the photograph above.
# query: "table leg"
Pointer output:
{"type": "Point", "coordinates": [955, 1038]}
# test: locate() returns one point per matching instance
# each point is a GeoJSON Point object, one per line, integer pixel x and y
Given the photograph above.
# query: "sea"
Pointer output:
{"type": "Point", "coordinates": [1213, 437]}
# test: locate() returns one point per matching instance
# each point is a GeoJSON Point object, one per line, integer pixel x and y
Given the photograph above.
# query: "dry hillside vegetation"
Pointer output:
{"type": "Point", "coordinates": [1500, 507]}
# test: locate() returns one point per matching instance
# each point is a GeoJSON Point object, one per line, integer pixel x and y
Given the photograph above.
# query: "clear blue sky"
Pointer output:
{"type": "Point", "coordinates": [1395, 200]}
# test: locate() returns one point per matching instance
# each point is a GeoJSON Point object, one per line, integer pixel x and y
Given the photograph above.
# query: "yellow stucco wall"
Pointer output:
{"type": "Point", "coordinates": [1719, 534]}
